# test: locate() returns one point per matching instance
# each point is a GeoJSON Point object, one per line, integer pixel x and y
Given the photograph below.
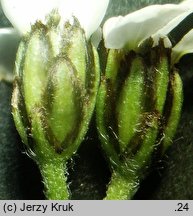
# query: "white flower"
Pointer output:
{"type": "Point", "coordinates": [155, 21]}
{"type": "Point", "coordinates": [185, 46]}
{"type": "Point", "coordinates": [23, 13]}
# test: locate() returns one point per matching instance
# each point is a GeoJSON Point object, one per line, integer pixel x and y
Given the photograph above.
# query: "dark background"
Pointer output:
{"type": "Point", "coordinates": [171, 178]}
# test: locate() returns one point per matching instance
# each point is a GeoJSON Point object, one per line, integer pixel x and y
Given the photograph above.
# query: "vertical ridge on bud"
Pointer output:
{"type": "Point", "coordinates": [161, 70]}
{"type": "Point", "coordinates": [18, 113]}
{"type": "Point", "coordinates": [41, 148]}
{"type": "Point", "coordinates": [75, 47]}
{"type": "Point", "coordinates": [34, 81]}
{"type": "Point", "coordinates": [112, 68]}
{"type": "Point", "coordinates": [63, 83]}
{"type": "Point", "coordinates": [101, 109]}
{"type": "Point", "coordinates": [132, 91]}
{"type": "Point", "coordinates": [20, 57]}
{"type": "Point", "coordinates": [162, 84]}
{"type": "Point", "coordinates": [151, 128]}
{"type": "Point", "coordinates": [175, 101]}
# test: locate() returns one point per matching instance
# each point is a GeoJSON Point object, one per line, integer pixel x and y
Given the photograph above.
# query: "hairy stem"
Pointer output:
{"type": "Point", "coordinates": [122, 187]}
{"type": "Point", "coordinates": [55, 180]}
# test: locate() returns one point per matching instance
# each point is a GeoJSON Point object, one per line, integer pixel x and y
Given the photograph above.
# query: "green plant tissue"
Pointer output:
{"type": "Point", "coordinates": [88, 175]}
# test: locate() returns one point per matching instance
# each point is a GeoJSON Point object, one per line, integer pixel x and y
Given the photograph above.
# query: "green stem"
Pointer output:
{"type": "Point", "coordinates": [122, 187]}
{"type": "Point", "coordinates": [54, 179]}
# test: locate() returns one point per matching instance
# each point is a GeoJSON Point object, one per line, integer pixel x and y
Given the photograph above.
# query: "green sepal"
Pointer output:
{"type": "Point", "coordinates": [150, 130]}
{"type": "Point", "coordinates": [161, 83]}
{"type": "Point", "coordinates": [17, 113]}
{"type": "Point", "coordinates": [101, 109]}
{"type": "Point", "coordinates": [34, 74]}
{"type": "Point", "coordinates": [63, 100]}
{"type": "Point", "coordinates": [130, 103]}
{"type": "Point", "coordinates": [176, 97]}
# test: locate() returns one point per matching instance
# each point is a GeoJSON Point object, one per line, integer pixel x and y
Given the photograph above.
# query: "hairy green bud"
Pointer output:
{"type": "Point", "coordinates": [138, 109]}
{"type": "Point", "coordinates": [56, 83]}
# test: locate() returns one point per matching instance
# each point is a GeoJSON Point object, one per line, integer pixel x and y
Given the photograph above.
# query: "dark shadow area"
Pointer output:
{"type": "Point", "coordinates": [88, 171]}
{"type": "Point", "coordinates": [30, 179]}
{"type": "Point", "coordinates": [19, 175]}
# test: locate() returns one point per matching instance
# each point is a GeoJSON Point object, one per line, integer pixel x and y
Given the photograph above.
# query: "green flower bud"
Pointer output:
{"type": "Point", "coordinates": [56, 83]}
{"type": "Point", "coordinates": [138, 109]}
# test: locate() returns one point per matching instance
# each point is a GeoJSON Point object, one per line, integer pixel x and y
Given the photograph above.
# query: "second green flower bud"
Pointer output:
{"type": "Point", "coordinates": [138, 110]}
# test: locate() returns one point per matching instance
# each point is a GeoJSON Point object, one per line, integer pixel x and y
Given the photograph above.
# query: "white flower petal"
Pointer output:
{"type": "Point", "coordinates": [163, 32]}
{"type": "Point", "coordinates": [89, 12]}
{"type": "Point", "coordinates": [92, 15]}
{"type": "Point", "coordinates": [130, 30]}
{"type": "Point", "coordinates": [188, 3]}
{"type": "Point", "coordinates": [185, 46]}
{"type": "Point", "coordinates": [23, 13]}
